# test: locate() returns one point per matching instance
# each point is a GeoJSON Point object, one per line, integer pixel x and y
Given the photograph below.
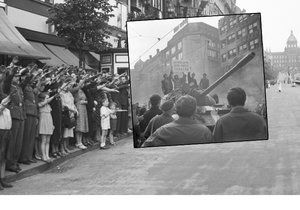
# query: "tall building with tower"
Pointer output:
{"type": "Point", "coordinates": [289, 59]}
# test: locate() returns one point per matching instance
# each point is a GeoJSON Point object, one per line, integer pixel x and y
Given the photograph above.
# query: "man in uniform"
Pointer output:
{"type": "Point", "coordinates": [16, 108]}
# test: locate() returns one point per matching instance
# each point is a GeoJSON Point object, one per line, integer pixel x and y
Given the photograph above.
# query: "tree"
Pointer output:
{"type": "Point", "coordinates": [83, 23]}
{"type": "Point", "coordinates": [270, 74]}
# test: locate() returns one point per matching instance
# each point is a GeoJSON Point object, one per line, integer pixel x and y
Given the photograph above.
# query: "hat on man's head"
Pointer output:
{"type": "Point", "coordinates": [166, 106]}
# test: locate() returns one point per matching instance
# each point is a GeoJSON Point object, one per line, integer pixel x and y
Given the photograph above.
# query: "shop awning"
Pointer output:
{"type": "Point", "coordinates": [64, 54]}
{"type": "Point", "coordinates": [53, 61]}
{"type": "Point", "coordinates": [13, 43]}
{"type": "Point", "coordinates": [95, 55]}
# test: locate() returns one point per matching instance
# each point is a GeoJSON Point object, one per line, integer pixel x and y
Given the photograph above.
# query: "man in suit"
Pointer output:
{"type": "Point", "coordinates": [184, 130]}
{"type": "Point", "coordinates": [239, 123]}
{"type": "Point", "coordinates": [204, 83]}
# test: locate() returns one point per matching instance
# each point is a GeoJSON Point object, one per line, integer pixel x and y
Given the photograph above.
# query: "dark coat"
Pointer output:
{"type": "Point", "coordinates": [179, 132]}
{"type": "Point", "coordinates": [16, 105]}
{"type": "Point", "coordinates": [240, 124]}
{"type": "Point", "coordinates": [152, 112]}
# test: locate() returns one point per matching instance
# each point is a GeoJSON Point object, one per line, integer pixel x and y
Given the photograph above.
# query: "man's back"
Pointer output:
{"type": "Point", "coordinates": [148, 115]}
{"type": "Point", "coordinates": [181, 131]}
{"type": "Point", "coordinates": [156, 122]}
{"type": "Point", "coordinates": [240, 124]}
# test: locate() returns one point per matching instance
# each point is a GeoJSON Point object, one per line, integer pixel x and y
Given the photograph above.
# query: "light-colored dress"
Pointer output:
{"type": "Point", "coordinates": [46, 126]}
{"type": "Point", "coordinates": [82, 123]}
{"type": "Point", "coordinates": [105, 120]}
{"type": "Point", "coordinates": [67, 100]}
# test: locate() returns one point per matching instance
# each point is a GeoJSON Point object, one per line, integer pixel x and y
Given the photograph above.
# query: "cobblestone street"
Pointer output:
{"type": "Point", "coordinates": [260, 167]}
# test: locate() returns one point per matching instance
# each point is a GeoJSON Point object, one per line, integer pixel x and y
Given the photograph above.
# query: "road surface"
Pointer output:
{"type": "Point", "coordinates": [260, 167]}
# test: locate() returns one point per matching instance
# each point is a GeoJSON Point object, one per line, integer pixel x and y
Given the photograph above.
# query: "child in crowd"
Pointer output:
{"type": "Point", "coordinates": [46, 126]}
{"type": "Point", "coordinates": [113, 121]}
{"type": "Point", "coordinates": [105, 113]}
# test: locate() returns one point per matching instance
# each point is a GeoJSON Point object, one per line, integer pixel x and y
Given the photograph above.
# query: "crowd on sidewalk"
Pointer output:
{"type": "Point", "coordinates": [46, 112]}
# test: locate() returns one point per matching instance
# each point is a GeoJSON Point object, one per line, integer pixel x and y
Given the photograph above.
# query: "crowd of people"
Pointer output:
{"type": "Point", "coordinates": [172, 82]}
{"type": "Point", "coordinates": [175, 122]}
{"type": "Point", "coordinates": [46, 112]}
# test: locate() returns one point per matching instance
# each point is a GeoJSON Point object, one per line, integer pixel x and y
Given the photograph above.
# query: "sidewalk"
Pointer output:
{"type": "Point", "coordinates": [41, 166]}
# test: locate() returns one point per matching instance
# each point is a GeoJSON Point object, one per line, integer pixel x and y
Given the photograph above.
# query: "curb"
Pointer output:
{"type": "Point", "coordinates": [42, 167]}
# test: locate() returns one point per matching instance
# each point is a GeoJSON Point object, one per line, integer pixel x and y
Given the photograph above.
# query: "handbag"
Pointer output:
{"type": "Point", "coordinates": [5, 120]}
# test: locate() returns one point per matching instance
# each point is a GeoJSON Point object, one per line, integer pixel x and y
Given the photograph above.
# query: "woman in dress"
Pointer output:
{"type": "Point", "coordinates": [70, 112]}
{"type": "Point", "coordinates": [46, 126]}
{"type": "Point", "coordinates": [82, 125]}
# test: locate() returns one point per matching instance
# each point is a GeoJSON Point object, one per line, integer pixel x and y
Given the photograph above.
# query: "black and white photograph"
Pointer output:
{"type": "Point", "coordinates": [95, 94]}
{"type": "Point", "coordinates": [204, 84]}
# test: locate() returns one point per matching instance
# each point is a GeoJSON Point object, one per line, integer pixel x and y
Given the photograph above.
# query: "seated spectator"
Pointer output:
{"type": "Point", "coordinates": [239, 123]}
{"type": "Point", "coordinates": [152, 112]}
{"type": "Point", "coordinates": [185, 130]}
{"type": "Point", "coordinates": [160, 120]}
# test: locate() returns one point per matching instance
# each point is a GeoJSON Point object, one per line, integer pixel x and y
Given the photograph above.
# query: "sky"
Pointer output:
{"type": "Point", "coordinates": [143, 35]}
{"type": "Point", "coordinates": [278, 19]}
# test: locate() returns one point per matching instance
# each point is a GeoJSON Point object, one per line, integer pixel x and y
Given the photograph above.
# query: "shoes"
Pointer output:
{"type": "Point", "coordinates": [37, 157]}
{"type": "Point", "coordinates": [104, 147]}
{"type": "Point", "coordinates": [26, 162]}
{"type": "Point", "coordinates": [5, 184]}
{"type": "Point", "coordinates": [47, 160]}
{"type": "Point", "coordinates": [32, 161]}
{"type": "Point", "coordinates": [81, 146]}
{"type": "Point", "coordinates": [112, 143]}
{"type": "Point", "coordinates": [14, 169]}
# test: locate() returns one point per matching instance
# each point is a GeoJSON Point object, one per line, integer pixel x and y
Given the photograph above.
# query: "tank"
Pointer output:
{"type": "Point", "coordinates": [208, 111]}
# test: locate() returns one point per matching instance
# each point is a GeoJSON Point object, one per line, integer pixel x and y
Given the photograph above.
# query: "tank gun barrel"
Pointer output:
{"type": "Point", "coordinates": [238, 66]}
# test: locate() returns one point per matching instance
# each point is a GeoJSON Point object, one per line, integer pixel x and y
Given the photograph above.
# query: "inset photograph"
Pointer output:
{"type": "Point", "coordinates": [197, 80]}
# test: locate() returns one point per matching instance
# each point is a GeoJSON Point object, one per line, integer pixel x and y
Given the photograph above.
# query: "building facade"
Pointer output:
{"type": "Point", "coordinates": [191, 8]}
{"type": "Point", "coordinates": [289, 59]}
{"type": "Point", "coordinates": [240, 35]}
{"type": "Point", "coordinates": [196, 44]}
{"type": "Point", "coordinates": [30, 16]}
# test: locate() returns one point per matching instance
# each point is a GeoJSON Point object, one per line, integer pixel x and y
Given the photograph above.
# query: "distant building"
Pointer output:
{"type": "Point", "coordinates": [190, 8]}
{"type": "Point", "coordinates": [289, 59]}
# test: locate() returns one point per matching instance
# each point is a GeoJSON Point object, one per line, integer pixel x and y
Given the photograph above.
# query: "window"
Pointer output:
{"type": "Point", "coordinates": [224, 28]}
{"type": "Point", "coordinates": [223, 44]}
{"type": "Point", "coordinates": [232, 53]}
{"type": "Point", "coordinates": [231, 38]}
{"type": "Point", "coordinates": [212, 53]}
{"type": "Point", "coordinates": [224, 56]}
{"type": "Point", "coordinates": [254, 44]}
{"type": "Point", "coordinates": [173, 50]}
{"type": "Point", "coordinates": [232, 22]}
{"type": "Point", "coordinates": [244, 33]}
{"type": "Point", "coordinates": [250, 31]}
{"type": "Point", "coordinates": [239, 33]}
{"type": "Point", "coordinates": [180, 56]}
{"type": "Point", "coordinates": [179, 45]}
